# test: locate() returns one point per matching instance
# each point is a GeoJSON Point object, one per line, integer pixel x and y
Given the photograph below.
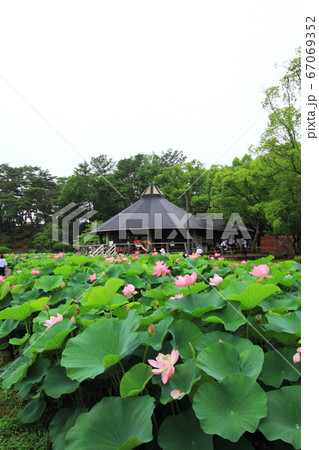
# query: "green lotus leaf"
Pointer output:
{"type": "Point", "coordinates": [279, 366]}
{"type": "Point", "coordinates": [155, 293]}
{"type": "Point", "coordinates": [222, 359]}
{"type": "Point", "coordinates": [155, 317]}
{"type": "Point", "coordinates": [7, 326]}
{"type": "Point", "coordinates": [288, 323]}
{"type": "Point", "coordinates": [51, 338]}
{"type": "Point", "coordinates": [186, 335]}
{"type": "Point", "coordinates": [113, 423]}
{"type": "Point", "coordinates": [161, 330]}
{"type": "Point", "coordinates": [4, 289]}
{"type": "Point", "coordinates": [48, 282]}
{"type": "Point", "coordinates": [34, 375]}
{"type": "Point", "coordinates": [197, 305]}
{"type": "Point", "coordinates": [79, 278]}
{"type": "Point", "coordinates": [63, 420]}
{"type": "Point", "coordinates": [16, 370]}
{"type": "Point", "coordinates": [283, 419]}
{"type": "Point", "coordinates": [103, 295]}
{"type": "Point", "coordinates": [281, 304]}
{"type": "Point", "coordinates": [57, 383]}
{"type": "Point", "coordinates": [230, 316]}
{"type": "Point", "coordinates": [183, 432]}
{"type": "Point", "coordinates": [138, 282]}
{"type": "Point", "coordinates": [64, 270]}
{"type": "Point", "coordinates": [32, 411]}
{"type": "Point", "coordinates": [21, 341]}
{"type": "Point", "coordinates": [254, 294]}
{"type": "Point", "coordinates": [230, 408]}
{"type": "Point", "coordinates": [291, 281]}
{"type": "Point", "coordinates": [23, 311]}
{"type": "Point", "coordinates": [185, 376]}
{"type": "Point", "coordinates": [135, 380]}
{"type": "Point", "coordinates": [111, 340]}
{"type": "Point", "coordinates": [234, 287]}
{"type": "Point", "coordinates": [210, 338]}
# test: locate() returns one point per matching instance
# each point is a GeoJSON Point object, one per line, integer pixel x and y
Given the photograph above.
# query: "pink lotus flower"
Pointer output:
{"type": "Point", "coordinates": [12, 286]}
{"type": "Point", "coordinates": [35, 272]}
{"type": "Point", "coordinates": [177, 296]}
{"type": "Point", "coordinates": [92, 277]}
{"type": "Point", "coordinates": [177, 394]}
{"type": "Point", "coordinates": [243, 262]}
{"type": "Point", "coordinates": [161, 269]}
{"type": "Point", "coordinates": [129, 290]}
{"type": "Point", "coordinates": [2, 278]}
{"type": "Point", "coordinates": [297, 356]}
{"type": "Point", "coordinates": [151, 330]}
{"type": "Point", "coordinates": [194, 255]}
{"type": "Point", "coordinates": [137, 253]}
{"type": "Point", "coordinates": [164, 365]}
{"type": "Point", "coordinates": [186, 280]}
{"type": "Point", "coordinates": [217, 254]}
{"type": "Point", "coordinates": [119, 260]}
{"type": "Point", "coordinates": [215, 280]}
{"type": "Point", "coordinates": [135, 257]}
{"type": "Point", "coordinates": [124, 259]}
{"type": "Point", "coordinates": [216, 267]}
{"type": "Point", "coordinates": [261, 271]}
{"type": "Point", "coordinates": [221, 258]}
{"type": "Point", "coordinates": [154, 254]}
{"type": "Point", "coordinates": [48, 323]}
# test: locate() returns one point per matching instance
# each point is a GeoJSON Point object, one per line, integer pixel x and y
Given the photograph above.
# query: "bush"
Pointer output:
{"type": "Point", "coordinates": [4, 250]}
{"type": "Point", "coordinates": [60, 247]}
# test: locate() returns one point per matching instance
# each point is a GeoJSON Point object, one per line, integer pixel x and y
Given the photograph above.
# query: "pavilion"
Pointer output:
{"type": "Point", "coordinates": [164, 224]}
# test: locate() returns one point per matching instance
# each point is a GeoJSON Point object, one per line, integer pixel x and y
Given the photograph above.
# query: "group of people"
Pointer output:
{"type": "Point", "coordinates": [223, 247]}
{"type": "Point", "coordinates": [232, 245]}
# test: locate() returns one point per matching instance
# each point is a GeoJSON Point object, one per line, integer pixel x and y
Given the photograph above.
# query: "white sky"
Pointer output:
{"type": "Point", "coordinates": [122, 77]}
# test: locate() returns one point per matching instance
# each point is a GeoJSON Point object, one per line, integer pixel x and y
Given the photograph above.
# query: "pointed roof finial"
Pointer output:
{"type": "Point", "coordinates": [152, 190]}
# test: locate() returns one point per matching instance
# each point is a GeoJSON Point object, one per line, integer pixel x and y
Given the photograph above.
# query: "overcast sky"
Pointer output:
{"type": "Point", "coordinates": [79, 79]}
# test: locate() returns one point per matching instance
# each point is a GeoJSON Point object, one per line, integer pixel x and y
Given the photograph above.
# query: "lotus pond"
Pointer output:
{"type": "Point", "coordinates": [154, 351]}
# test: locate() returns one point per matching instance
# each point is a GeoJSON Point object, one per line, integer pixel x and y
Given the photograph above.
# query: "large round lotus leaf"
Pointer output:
{"type": "Point", "coordinates": [15, 371]}
{"type": "Point", "coordinates": [230, 316]}
{"type": "Point", "coordinates": [114, 423]}
{"type": "Point", "coordinates": [63, 420]}
{"type": "Point", "coordinates": [51, 338]}
{"type": "Point", "coordinates": [254, 294]}
{"type": "Point", "coordinates": [197, 305]}
{"type": "Point", "coordinates": [161, 329]}
{"type": "Point", "coordinates": [32, 411]}
{"type": "Point", "coordinates": [231, 407]}
{"type": "Point", "coordinates": [35, 374]}
{"type": "Point", "coordinates": [23, 311]}
{"type": "Point", "coordinates": [185, 376]}
{"type": "Point", "coordinates": [99, 346]}
{"type": "Point", "coordinates": [279, 366]}
{"type": "Point", "coordinates": [57, 383]}
{"type": "Point", "coordinates": [183, 432]}
{"type": "Point", "coordinates": [48, 282]}
{"type": "Point", "coordinates": [135, 380]}
{"type": "Point", "coordinates": [288, 323]}
{"type": "Point", "coordinates": [186, 335]}
{"type": "Point", "coordinates": [210, 338]}
{"type": "Point", "coordinates": [283, 420]}
{"type": "Point", "coordinates": [221, 359]}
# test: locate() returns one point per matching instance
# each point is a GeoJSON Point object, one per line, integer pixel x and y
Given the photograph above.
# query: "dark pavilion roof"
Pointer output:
{"type": "Point", "coordinates": [153, 211]}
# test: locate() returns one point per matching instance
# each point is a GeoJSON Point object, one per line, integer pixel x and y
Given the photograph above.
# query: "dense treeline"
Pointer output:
{"type": "Point", "coordinates": [263, 186]}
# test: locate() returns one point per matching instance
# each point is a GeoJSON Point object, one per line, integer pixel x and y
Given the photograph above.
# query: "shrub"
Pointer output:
{"type": "Point", "coordinates": [4, 250]}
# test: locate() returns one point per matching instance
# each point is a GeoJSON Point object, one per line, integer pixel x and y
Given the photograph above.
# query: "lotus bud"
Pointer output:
{"type": "Point", "coordinates": [151, 330]}
{"type": "Point", "coordinates": [127, 307]}
{"type": "Point", "coordinates": [73, 319]}
{"type": "Point", "coordinates": [77, 310]}
{"type": "Point", "coordinates": [46, 307]}
{"type": "Point", "coordinates": [62, 284]}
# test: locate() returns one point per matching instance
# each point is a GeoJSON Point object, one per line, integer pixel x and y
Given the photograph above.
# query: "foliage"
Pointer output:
{"type": "Point", "coordinates": [235, 343]}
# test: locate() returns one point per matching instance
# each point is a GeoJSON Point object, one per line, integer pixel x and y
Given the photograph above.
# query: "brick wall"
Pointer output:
{"type": "Point", "coordinates": [276, 244]}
